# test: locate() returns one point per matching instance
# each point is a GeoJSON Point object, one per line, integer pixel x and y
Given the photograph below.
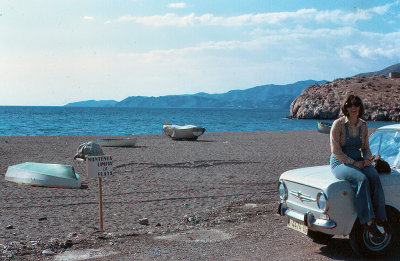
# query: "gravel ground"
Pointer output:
{"type": "Point", "coordinates": [211, 199]}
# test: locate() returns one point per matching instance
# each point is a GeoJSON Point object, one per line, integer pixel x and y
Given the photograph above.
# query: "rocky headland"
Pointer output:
{"type": "Point", "coordinates": [380, 95]}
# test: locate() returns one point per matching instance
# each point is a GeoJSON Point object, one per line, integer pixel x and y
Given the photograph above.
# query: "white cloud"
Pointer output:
{"type": "Point", "coordinates": [372, 52]}
{"type": "Point", "coordinates": [299, 16]}
{"type": "Point", "coordinates": [339, 16]}
{"type": "Point", "coordinates": [161, 20]}
{"type": "Point", "coordinates": [87, 17]}
{"type": "Point", "coordinates": [211, 20]}
{"type": "Point", "coordinates": [373, 46]}
{"type": "Point", "coordinates": [263, 43]}
{"type": "Point", "coordinates": [177, 5]}
{"type": "Point", "coordinates": [381, 10]}
{"type": "Point", "coordinates": [300, 32]}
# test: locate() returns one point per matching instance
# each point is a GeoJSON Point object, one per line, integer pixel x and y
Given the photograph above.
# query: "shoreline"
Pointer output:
{"type": "Point", "coordinates": [219, 132]}
{"type": "Point", "coordinates": [206, 133]}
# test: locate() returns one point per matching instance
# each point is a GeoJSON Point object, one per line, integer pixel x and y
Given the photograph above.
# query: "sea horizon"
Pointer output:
{"type": "Point", "coordinates": [103, 121]}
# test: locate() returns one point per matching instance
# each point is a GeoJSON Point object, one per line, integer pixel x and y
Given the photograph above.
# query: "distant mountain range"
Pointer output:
{"type": "Point", "coordinates": [93, 103]}
{"type": "Point", "coordinates": [261, 97]}
{"type": "Point", "coordinates": [385, 72]}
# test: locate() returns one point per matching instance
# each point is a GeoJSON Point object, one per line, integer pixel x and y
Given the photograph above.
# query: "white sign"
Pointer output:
{"type": "Point", "coordinates": [99, 166]}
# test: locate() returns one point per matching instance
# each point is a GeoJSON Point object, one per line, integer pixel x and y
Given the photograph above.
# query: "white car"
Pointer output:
{"type": "Point", "coordinates": [321, 206]}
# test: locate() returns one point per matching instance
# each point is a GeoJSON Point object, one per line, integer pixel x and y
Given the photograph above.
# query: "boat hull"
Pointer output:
{"type": "Point", "coordinates": [185, 132]}
{"type": "Point", "coordinates": [323, 127]}
{"type": "Point", "coordinates": [124, 142]}
{"type": "Point", "coordinates": [43, 174]}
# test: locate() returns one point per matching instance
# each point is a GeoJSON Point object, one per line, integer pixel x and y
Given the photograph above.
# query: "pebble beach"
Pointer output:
{"type": "Point", "coordinates": [210, 199]}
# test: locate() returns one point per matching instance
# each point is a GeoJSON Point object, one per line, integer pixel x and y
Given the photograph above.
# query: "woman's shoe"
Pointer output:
{"type": "Point", "coordinates": [373, 230]}
{"type": "Point", "coordinates": [385, 224]}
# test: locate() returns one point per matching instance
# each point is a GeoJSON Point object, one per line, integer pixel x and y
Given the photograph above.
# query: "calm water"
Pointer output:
{"type": "Point", "coordinates": [69, 121]}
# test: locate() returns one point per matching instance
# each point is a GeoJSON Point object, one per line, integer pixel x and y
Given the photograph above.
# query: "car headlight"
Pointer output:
{"type": "Point", "coordinates": [322, 201]}
{"type": "Point", "coordinates": [283, 192]}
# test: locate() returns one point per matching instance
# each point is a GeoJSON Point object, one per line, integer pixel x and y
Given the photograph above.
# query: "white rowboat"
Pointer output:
{"type": "Point", "coordinates": [185, 132]}
{"type": "Point", "coordinates": [324, 127]}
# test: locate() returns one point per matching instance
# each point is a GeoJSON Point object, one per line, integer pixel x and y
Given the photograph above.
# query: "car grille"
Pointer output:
{"type": "Point", "coordinates": [302, 198]}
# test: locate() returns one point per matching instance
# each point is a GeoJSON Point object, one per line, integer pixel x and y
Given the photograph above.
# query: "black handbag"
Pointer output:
{"type": "Point", "coordinates": [381, 165]}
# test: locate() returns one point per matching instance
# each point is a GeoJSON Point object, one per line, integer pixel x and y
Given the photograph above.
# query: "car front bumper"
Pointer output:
{"type": "Point", "coordinates": [308, 218]}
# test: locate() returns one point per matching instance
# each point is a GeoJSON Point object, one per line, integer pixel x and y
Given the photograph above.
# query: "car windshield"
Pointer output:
{"type": "Point", "coordinates": [386, 143]}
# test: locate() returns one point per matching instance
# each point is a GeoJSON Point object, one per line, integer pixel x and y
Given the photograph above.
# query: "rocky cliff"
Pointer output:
{"type": "Point", "coordinates": [380, 95]}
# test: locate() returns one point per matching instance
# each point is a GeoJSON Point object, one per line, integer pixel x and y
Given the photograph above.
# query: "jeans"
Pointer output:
{"type": "Point", "coordinates": [370, 198]}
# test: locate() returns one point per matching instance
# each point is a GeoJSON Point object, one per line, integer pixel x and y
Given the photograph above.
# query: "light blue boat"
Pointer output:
{"type": "Point", "coordinates": [44, 174]}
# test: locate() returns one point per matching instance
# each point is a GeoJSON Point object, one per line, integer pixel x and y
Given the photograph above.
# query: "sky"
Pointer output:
{"type": "Point", "coordinates": [53, 52]}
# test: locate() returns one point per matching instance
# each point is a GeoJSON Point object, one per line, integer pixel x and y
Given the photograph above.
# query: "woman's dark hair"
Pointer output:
{"type": "Point", "coordinates": [351, 100]}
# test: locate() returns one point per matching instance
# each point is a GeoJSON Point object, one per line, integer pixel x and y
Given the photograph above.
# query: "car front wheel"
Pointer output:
{"type": "Point", "coordinates": [365, 244]}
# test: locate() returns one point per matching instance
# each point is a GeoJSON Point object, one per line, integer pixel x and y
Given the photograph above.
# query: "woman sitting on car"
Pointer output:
{"type": "Point", "coordinates": [351, 160]}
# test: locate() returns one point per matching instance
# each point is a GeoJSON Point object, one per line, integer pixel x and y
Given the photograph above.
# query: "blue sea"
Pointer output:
{"type": "Point", "coordinates": [71, 121]}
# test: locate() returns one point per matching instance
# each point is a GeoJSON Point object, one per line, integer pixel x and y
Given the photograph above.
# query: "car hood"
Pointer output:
{"type": "Point", "coordinates": [319, 176]}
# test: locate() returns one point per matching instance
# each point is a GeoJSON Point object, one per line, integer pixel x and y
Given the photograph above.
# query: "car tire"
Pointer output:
{"type": "Point", "coordinates": [319, 237]}
{"type": "Point", "coordinates": [364, 244]}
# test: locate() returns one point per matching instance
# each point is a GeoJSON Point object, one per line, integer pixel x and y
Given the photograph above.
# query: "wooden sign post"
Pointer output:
{"type": "Point", "coordinates": [98, 167]}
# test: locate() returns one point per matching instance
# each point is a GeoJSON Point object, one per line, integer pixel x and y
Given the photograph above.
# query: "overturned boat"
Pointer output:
{"type": "Point", "coordinates": [122, 142]}
{"type": "Point", "coordinates": [44, 174]}
{"type": "Point", "coordinates": [185, 132]}
{"type": "Point", "coordinates": [324, 127]}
